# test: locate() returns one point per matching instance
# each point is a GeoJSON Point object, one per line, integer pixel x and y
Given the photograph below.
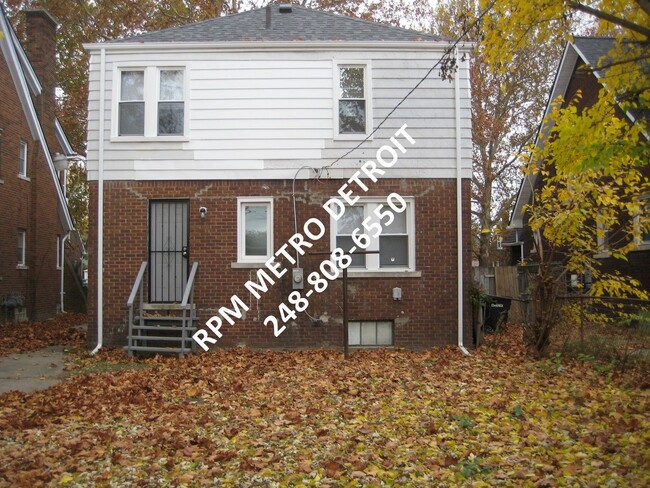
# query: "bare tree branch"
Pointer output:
{"type": "Point", "coordinates": [644, 31]}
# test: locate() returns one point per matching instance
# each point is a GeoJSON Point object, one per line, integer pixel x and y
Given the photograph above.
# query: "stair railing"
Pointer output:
{"type": "Point", "coordinates": [138, 288]}
{"type": "Point", "coordinates": [188, 304]}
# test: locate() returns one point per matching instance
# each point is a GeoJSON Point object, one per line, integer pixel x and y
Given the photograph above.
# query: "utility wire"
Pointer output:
{"type": "Point", "coordinates": [444, 58]}
{"type": "Point", "coordinates": [446, 55]}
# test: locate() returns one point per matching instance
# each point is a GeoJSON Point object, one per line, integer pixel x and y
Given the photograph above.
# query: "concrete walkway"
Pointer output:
{"type": "Point", "coordinates": [32, 371]}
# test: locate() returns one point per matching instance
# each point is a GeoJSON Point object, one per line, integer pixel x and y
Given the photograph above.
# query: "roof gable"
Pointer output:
{"type": "Point", "coordinates": [298, 24]}
{"type": "Point", "coordinates": [24, 77]}
{"type": "Point", "coordinates": [589, 50]}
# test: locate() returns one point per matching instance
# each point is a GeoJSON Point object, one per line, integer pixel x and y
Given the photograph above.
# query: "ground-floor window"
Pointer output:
{"type": "Point", "coordinates": [391, 232]}
{"type": "Point", "coordinates": [255, 229]}
{"type": "Point", "coordinates": [21, 248]}
{"type": "Point", "coordinates": [370, 333]}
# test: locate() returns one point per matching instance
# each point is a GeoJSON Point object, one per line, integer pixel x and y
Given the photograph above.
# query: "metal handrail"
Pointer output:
{"type": "Point", "coordinates": [188, 322]}
{"type": "Point", "coordinates": [137, 284]}
{"type": "Point", "coordinates": [189, 288]}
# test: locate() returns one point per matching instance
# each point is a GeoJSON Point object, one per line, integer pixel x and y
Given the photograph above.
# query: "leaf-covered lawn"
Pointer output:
{"type": "Point", "coordinates": [383, 418]}
{"type": "Point", "coordinates": [32, 336]}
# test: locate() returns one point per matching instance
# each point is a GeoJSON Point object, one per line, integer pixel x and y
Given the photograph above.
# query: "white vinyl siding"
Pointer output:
{"type": "Point", "coordinates": [254, 229]}
{"type": "Point", "coordinates": [265, 114]}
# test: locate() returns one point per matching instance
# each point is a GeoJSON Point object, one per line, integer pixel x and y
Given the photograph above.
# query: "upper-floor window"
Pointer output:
{"type": "Point", "coordinates": [171, 107]}
{"type": "Point", "coordinates": [255, 229]}
{"type": "Point", "coordinates": [151, 102]}
{"type": "Point", "coordinates": [22, 159]}
{"type": "Point", "coordinates": [353, 93]}
{"type": "Point", "coordinates": [391, 233]}
{"type": "Point", "coordinates": [21, 247]}
{"type": "Point", "coordinates": [131, 118]}
{"type": "Point", "coordinates": [602, 237]}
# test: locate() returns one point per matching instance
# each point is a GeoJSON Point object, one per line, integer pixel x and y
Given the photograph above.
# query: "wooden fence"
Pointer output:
{"type": "Point", "coordinates": [502, 281]}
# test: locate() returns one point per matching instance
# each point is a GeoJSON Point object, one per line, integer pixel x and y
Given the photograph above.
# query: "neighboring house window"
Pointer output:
{"type": "Point", "coordinates": [353, 99]}
{"type": "Point", "coordinates": [171, 107]}
{"type": "Point", "coordinates": [370, 333]}
{"type": "Point", "coordinates": [59, 252]}
{"type": "Point", "coordinates": [151, 102]}
{"type": "Point", "coordinates": [395, 241]}
{"type": "Point", "coordinates": [21, 247]}
{"type": "Point", "coordinates": [131, 117]}
{"type": "Point", "coordinates": [22, 159]}
{"type": "Point", "coordinates": [255, 229]}
{"type": "Point", "coordinates": [602, 236]}
{"type": "Point", "coordinates": [644, 238]}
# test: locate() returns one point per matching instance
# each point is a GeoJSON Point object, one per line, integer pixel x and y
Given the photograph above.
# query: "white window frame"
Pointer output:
{"type": "Point", "coordinates": [59, 253]}
{"type": "Point", "coordinates": [22, 159]}
{"type": "Point", "coordinates": [372, 260]}
{"type": "Point", "coordinates": [120, 102]}
{"type": "Point", "coordinates": [602, 241]}
{"type": "Point", "coordinates": [158, 101]}
{"type": "Point", "coordinates": [241, 230]}
{"type": "Point", "coordinates": [367, 92]}
{"type": "Point", "coordinates": [22, 259]}
{"type": "Point", "coordinates": [151, 98]}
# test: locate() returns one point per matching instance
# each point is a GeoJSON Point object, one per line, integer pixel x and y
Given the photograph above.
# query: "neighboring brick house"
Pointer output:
{"type": "Point", "coordinates": [198, 136]}
{"type": "Point", "coordinates": [572, 76]}
{"type": "Point", "coordinates": [34, 219]}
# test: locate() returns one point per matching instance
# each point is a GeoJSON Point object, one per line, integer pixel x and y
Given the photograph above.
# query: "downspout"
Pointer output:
{"type": "Point", "coordinates": [100, 205]}
{"type": "Point", "coordinates": [62, 258]}
{"type": "Point", "coordinates": [459, 210]}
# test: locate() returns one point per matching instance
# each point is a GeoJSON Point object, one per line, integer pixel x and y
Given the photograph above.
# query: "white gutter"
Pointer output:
{"type": "Point", "coordinates": [100, 206]}
{"type": "Point", "coordinates": [459, 209]}
{"type": "Point", "coordinates": [62, 258]}
{"type": "Point", "coordinates": [251, 46]}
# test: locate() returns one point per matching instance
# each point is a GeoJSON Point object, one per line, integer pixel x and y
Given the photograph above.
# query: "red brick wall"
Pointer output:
{"type": "Point", "coordinates": [31, 205]}
{"type": "Point", "coordinates": [637, 264]}
{"type": "Point", "coordinates": [41, 51]}
{"type": "Point", "coordinates": [426, 316]}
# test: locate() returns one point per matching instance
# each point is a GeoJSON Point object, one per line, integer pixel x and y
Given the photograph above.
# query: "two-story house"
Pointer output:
{"type": "Point", "coordinates": [37, 277]}
{"type": "Point", "coordinates": [216, 143]}
{"type": "Point", "coordinates": [578, 72]}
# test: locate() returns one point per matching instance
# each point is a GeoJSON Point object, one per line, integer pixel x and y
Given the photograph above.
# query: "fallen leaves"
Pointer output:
{"type": "Point", "coordinates": [308, 418]}
{"type": "Point", "coordinates": [32, 336]}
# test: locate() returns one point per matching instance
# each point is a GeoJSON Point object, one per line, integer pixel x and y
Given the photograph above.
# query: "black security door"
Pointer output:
{"type": "Point", "coordinates": [168, 249]}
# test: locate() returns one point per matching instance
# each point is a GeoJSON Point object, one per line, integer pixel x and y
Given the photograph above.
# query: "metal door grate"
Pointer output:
{"type": "Point", "coordinates": [168, 249]}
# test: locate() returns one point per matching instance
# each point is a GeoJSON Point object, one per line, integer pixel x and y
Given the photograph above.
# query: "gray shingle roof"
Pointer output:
{"type": "Point", "coordinates": [593, 48]}
{"type": "Point", "coordinates": [300, 24]}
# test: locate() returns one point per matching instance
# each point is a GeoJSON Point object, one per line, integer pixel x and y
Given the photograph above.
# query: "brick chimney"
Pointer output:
{"type": "Point", "coordinates": [40, 47]}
